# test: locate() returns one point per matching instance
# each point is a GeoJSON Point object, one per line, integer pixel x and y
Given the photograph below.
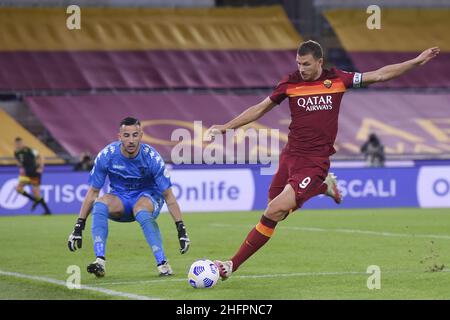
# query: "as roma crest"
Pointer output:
{"type": "Point", "coordinates": [327, 83]}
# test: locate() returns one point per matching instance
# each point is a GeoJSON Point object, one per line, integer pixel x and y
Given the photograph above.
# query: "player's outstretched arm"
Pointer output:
{"type": "Point", "coordinates": [251, 114]}
{"type": "Point", "coordinates": [88, 202]}
{"type": "Point", "coordinates": [392, 71]}
{"type": "Point", "coordinates": [175, 212]}
{"type": "Point", "coordinates": [76, 238]}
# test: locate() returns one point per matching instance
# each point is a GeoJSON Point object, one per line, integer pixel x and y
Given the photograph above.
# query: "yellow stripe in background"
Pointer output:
{"type": "Point", "coordinates": [9, 130]}
{"type": "Point", "coordinates": [401, 30]}
{"type": "Point", "coordinates": [261, 28]}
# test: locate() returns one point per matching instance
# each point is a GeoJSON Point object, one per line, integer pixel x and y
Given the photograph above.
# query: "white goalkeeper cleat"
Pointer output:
{"type": "Point", "coordinates": [165, 269]}
{"type": "Point", "coordinates": [97, 268]}
{"type": "Point", "coordinates": [332, 189]}
{"type": "Point", "coordinates": [225, 268]}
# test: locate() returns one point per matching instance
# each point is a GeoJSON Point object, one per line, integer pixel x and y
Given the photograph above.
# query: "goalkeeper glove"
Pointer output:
{"type": "Point", "coordinates": [182, 237]}
{"type": "Point", "coordinates": [75, 238]}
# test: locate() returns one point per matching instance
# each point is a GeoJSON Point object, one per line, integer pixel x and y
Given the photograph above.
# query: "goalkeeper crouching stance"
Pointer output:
{"type": "Point", "coordinates": [140, 184]}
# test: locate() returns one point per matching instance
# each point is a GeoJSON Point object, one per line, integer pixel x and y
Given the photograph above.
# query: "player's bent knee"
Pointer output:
{"type": "Point", "coordinates": [143, 204]}
{"type": "Point", "coordinates": [274, 207]}
{"type": "Point", "coordinates": [101, 200]}
{"type": "Point", "coordinates": [110, 200]}
{"type": "Point", "coordinates": [143, 216]}
{"type": "Point", "coordinates": [105, 201]}
{"type": "Point", "coordinates": [99, 204]}
{"type": "Point", "coordinates": [20, 186]}
{"type": "Point", "coordinates": [276, 212]}
{"type": "Point", "coordinates": [276, 216]}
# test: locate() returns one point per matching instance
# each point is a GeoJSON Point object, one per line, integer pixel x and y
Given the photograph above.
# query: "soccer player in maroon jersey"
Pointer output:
{"type": "Point", "coordinates": [314, 100]}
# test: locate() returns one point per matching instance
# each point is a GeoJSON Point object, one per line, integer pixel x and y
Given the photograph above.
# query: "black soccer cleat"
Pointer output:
{"type": "Point", "coordinates": [97, 269]}
{"type": "Point", "coordinates": [41, 201]}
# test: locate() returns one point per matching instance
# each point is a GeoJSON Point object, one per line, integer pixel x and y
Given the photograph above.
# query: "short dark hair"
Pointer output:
{"type": "Point", "coordinates": [129, 121]}
{"type": "Point", "coordinates": [310, 47]}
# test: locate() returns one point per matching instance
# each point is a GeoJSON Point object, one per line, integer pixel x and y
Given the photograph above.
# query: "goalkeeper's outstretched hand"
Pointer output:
{"type": "Point", "coordinates": [182, 237]}
{"type": "Point", "coordinates": [76, 238]}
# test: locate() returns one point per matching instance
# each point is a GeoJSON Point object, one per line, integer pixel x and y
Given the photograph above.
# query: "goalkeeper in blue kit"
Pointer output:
{"type": "Point", "coordinates": [140, 184]}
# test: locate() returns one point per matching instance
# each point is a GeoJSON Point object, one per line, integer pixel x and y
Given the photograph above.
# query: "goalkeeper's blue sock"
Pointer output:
{"type": "Point", "coordinates": [100, 228]}
{"type": "Point", "coordinates": [152, 235]}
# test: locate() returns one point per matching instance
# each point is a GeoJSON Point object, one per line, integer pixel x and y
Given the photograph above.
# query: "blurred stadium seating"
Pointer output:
{"type": "Point", "coordinates": [417, 136]}
{"type": "Point", "coordinates": [405, 32]}
{"type": "Point", "coordinates": [135, 48]}
{"type": "Point", "coordinates": [10, 129]}
{"type": "Point", "coordinates": [217, 55]}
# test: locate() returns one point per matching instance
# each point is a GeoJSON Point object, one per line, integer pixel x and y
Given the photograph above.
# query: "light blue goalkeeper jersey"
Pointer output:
{"type": "Point", "coordinates": [145, 172]}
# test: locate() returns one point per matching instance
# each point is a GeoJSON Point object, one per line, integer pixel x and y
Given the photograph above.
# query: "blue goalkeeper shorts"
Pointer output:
{"type": "Point", "coordinates": [129, 199]}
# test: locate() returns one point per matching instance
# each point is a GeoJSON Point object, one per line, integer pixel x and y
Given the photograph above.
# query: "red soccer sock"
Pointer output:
{"type": "Point", "coordinates": [255, 240]}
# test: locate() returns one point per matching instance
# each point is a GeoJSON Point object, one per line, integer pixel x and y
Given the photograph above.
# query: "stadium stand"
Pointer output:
{"type": "Point", "coordinates": [114, 3]}
{"type": "Point", "coordinates": [414, 131]}
{"type": "Point", "coordinates": [406, 32]}
{"type": "Point", "coordinates": [141, 48]}
{"type": "Point", "coordinates": [382, 3]}
{"type": "Point", "coordinates": [9, 130]}
{"type": "Point", "coordinates": [240, 52]}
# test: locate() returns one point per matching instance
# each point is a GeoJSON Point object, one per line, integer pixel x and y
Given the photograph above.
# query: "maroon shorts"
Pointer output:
{"type": "Point", "coordinates": [305, 174]}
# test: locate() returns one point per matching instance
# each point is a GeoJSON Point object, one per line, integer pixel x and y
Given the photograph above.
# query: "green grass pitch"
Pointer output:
{"type": "Point", "coordinates": [314, 254]}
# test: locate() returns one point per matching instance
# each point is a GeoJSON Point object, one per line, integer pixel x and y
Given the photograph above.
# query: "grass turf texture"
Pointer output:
{"type": "Point", "coordinates": [313, 255]}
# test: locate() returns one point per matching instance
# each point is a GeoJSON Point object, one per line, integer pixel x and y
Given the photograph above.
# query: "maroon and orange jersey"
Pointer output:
{"type": "Point", "coordinates": [314, 109]}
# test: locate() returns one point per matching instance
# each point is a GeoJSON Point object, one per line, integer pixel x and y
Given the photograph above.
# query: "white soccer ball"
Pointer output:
{"type": "Point", "coordinates": [203, 274]}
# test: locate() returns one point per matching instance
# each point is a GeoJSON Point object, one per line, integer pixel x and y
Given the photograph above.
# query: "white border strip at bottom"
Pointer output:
{"type": "Point", "coordinates": [83, 287]}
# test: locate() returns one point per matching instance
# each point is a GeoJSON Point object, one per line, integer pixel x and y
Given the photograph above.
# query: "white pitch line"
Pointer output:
{"type": "Point", "coordinates": [143, 281]}
{"type": "Point", "coordinates": [276, 275]}
{"type": "Point", "coordinates": [368, 232]}
{"type": "Point", "coordinates": [139, 297]}
{"type": "Point", "coordinates": [83, 287]}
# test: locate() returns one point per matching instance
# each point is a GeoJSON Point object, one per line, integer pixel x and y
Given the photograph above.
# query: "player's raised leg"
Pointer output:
{"type": "Point", "coordinates": [276, 211]}
{"type": "Point", "coordinates": [303, 185]}
{"type": "Point", "coordinates": [37, 196]}
{"type": "Point", "coordinates": [104, 207]}
{"type": "Point", "coordinates": [23, 181]}
{"type": "Point", "coordinates": [146, 215]}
